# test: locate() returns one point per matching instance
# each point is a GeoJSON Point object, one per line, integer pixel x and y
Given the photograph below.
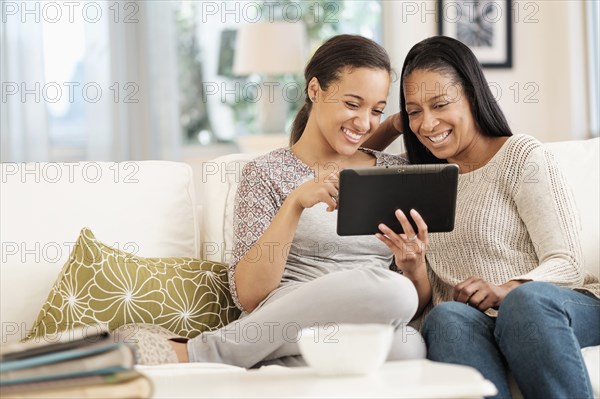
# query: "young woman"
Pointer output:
{"type": "Point", "coordinates": [290, 269]}
{"type": "Point", "coordinates": [508, 283]}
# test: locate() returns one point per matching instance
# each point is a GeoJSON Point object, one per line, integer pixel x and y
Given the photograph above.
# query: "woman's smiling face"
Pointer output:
{"type": "Point", "coordinates": [440, 115]}
{"type": "Point", "coordinates": [350, 109]}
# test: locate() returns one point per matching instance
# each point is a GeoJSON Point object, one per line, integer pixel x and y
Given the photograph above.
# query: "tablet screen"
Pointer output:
{"type": "Point", "coordinates": [370, 196]}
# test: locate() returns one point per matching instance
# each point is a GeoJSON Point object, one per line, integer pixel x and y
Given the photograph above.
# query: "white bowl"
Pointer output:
{"type": "Point", "coordinates": [345, 349]}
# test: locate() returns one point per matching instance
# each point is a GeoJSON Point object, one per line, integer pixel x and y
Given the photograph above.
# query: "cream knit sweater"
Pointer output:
{"type": "Point", "coordinates": [515, 219]}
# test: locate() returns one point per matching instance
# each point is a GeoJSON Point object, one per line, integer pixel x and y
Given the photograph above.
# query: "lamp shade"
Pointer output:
{"type": "Point", "coordinates": [270, 48]}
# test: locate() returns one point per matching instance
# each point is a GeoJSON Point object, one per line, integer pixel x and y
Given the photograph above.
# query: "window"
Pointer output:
{"type": "Point", "coordinates": [216, 105]}
{"type": "Point", "coordinates": [119, 80]}
{"type": "Point", "coordinates": [64, 88]}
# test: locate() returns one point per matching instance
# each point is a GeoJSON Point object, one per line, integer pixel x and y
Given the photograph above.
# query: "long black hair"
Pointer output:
{"type": "Point", "coordinates": [449, 56]}
{"type": "Point", "coordinates": [336, 54]}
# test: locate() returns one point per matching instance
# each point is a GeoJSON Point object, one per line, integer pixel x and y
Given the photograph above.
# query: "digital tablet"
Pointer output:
{"type": "Point", "coordinates": [370, 196]}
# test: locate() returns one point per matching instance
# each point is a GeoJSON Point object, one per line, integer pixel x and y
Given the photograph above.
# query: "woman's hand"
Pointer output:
{"type": "Point", "coordinates": [482, 294]}
{"type": "Point", "coordinates": [323, 188]}
{"type": "Point", "coordinates": [409, 248]}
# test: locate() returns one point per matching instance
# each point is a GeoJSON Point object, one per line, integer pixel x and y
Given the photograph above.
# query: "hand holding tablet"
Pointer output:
{"type": "Point", "coordinates": [370, 196]}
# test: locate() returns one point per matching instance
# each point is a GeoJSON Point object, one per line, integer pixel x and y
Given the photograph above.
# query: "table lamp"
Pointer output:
{"type": "Point", "coordinates": [270, 49]}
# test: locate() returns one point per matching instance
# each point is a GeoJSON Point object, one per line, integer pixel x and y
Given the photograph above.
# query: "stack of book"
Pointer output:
{"type": "Point", "coordinates": [85, 362]}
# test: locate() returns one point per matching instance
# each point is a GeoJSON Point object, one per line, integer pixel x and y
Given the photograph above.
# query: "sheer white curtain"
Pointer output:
{"type": "Point", "coordinates": [131, 55]}
{"type": "Point", "coordinates": [142, 70]}
{"type": "Point", "coordinates": [24, 129]}
{"type": "Point", "coordinates": [593, 31]}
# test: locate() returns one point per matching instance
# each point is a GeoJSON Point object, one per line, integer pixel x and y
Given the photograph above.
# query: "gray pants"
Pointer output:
{"type": "Point", "coordinates": [268, 334]}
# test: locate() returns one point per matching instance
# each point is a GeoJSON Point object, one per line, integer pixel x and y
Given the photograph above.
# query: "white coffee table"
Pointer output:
{"type": "Point", "coordinates": [404, 379]}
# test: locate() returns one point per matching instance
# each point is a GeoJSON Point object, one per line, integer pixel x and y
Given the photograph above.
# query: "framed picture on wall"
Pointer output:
{"type": "Point", "coordinates": [484, 25]}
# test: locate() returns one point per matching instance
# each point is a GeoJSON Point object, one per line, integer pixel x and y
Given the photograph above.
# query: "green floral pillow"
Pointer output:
{"type": "Point", "coordinates": [100, 284]}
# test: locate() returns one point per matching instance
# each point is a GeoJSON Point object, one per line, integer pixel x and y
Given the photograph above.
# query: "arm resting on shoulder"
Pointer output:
{"type": "Point", "coordinates": [389, 130]}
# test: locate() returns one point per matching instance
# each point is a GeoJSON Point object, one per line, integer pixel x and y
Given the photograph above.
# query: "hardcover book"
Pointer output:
{"type": "Point", "coordinates": [85, 362]}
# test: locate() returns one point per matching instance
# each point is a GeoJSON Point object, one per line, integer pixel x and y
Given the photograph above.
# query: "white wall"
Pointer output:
{"type": "Point", "coordinates": [549, 68]}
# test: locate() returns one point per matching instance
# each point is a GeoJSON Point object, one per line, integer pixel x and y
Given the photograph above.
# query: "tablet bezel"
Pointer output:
{"type": "Point", "coordinates": [369, 196]}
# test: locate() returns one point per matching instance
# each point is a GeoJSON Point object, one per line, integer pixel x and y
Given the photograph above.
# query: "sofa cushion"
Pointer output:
{"type": "Point", "coordinates": [220, 178]}
{"type": "Point", "coordinates": [143, 207]}
{"type": "Point", "coordinates": [100, 284]}
{"type": "Point", "coordinates": [579, 161]}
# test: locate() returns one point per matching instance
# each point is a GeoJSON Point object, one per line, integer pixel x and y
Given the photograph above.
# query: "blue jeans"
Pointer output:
{"type": "Point", "coordinates": [538, 335]}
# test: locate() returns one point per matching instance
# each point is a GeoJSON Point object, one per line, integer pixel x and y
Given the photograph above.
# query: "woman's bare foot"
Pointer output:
{"type": "Point", "coordinates": [180, 349]}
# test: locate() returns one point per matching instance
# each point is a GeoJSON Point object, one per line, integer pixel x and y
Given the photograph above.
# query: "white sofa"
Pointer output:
{"type": "Point", "coordinates": [150, 208]}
